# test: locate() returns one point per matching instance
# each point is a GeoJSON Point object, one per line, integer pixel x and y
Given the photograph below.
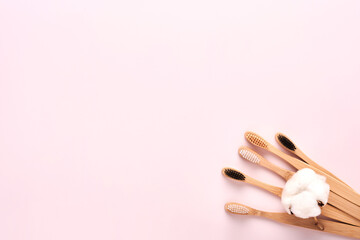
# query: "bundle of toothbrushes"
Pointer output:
{"type": "Point", "coordinates": [308, 195]}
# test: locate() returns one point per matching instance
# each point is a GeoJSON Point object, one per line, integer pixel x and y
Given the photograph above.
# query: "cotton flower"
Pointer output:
{"type": "Point", "coordinates": [304, 192]}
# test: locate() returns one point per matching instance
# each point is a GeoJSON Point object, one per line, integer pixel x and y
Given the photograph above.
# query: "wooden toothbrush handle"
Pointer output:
{"type": "Point", "coordinates": [273, 189]}
{"type": "Point", "coordinates": [302, 155]}
{"type": "Point", "coordinates": [329, 226]}
{"type": "Point", "coordinates": [285, 174]}
{"type": "Point", "coordinates": [335, 186]}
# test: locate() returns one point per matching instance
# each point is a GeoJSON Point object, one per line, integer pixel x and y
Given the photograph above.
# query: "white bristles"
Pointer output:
{"type": "Point", "coordinates": [248, 155]}
{"type": "Point", "coordinates": [236, 208]}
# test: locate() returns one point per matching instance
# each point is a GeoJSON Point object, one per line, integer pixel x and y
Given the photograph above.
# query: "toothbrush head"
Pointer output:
{"type": "Point", "coordinates": [249, 155]}
{"type": "Point", "coordinates": [237, 208]}
{"type": "Point", "coordinates": [233, 174]}
{"type": "Point", "coordinates": [286, 142]}
{"type": "Point", "coordinates": [256, 140]}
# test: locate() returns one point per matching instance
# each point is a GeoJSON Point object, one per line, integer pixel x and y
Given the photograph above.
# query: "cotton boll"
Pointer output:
{"type": "Point", "coordinates": [299, 181]}
{"type": "Point", "coordinates": [302, 193]}
{"type": "Point", "coordinates": [320, 189]}
{"type": "Point", "coordinates": [304, 177]}
{"type": "Point", "coordinates": [286, 202]}
{"type": "Point", "coordinates": [304, 205]}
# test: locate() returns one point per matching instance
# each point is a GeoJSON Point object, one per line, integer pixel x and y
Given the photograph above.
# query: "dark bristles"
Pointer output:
{"type": "Point", "coordinates": [234, 174]}
{"type": "Point", "coordinates": [286, 142]}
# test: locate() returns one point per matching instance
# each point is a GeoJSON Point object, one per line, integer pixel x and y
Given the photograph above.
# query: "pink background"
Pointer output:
{"type": "Point", "coordinates": [116, 117]}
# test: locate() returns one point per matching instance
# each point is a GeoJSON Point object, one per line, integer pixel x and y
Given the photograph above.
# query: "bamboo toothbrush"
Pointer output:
{"type": "Point", "coordinates": [290, 146]}
{"type": "Point", "coordinates": [329, 226]}
{"type": "Point", "coordinates": [335, 186]}
{"type": "Point", "coordinates": [238, 176]}
{"type": "Point", "coordinates": [328, 210]}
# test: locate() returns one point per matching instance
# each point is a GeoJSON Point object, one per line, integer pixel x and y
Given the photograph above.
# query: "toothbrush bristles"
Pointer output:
{"type": "Point", "coordinates": [237, 208]}
{"type": "Point", "coordinates": [249, 155]}
{"type": "Point", "coordinates": [256, 140]}
{"type": "Point", "coordinates": [231, 173]}
{"type": "Point", "coordinates": [286, 142]}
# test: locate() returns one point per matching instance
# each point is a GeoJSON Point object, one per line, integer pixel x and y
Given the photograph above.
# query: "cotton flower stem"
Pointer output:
{"type": "Point", "coordinates": [319, 225]}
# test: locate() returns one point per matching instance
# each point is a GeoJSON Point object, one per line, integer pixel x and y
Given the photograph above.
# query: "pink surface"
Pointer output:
{"type": "Point", "coordinates": [116, 117]}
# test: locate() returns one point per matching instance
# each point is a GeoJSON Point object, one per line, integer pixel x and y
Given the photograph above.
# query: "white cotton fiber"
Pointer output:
{"type": "Point", "coordinates": [302, 193]}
